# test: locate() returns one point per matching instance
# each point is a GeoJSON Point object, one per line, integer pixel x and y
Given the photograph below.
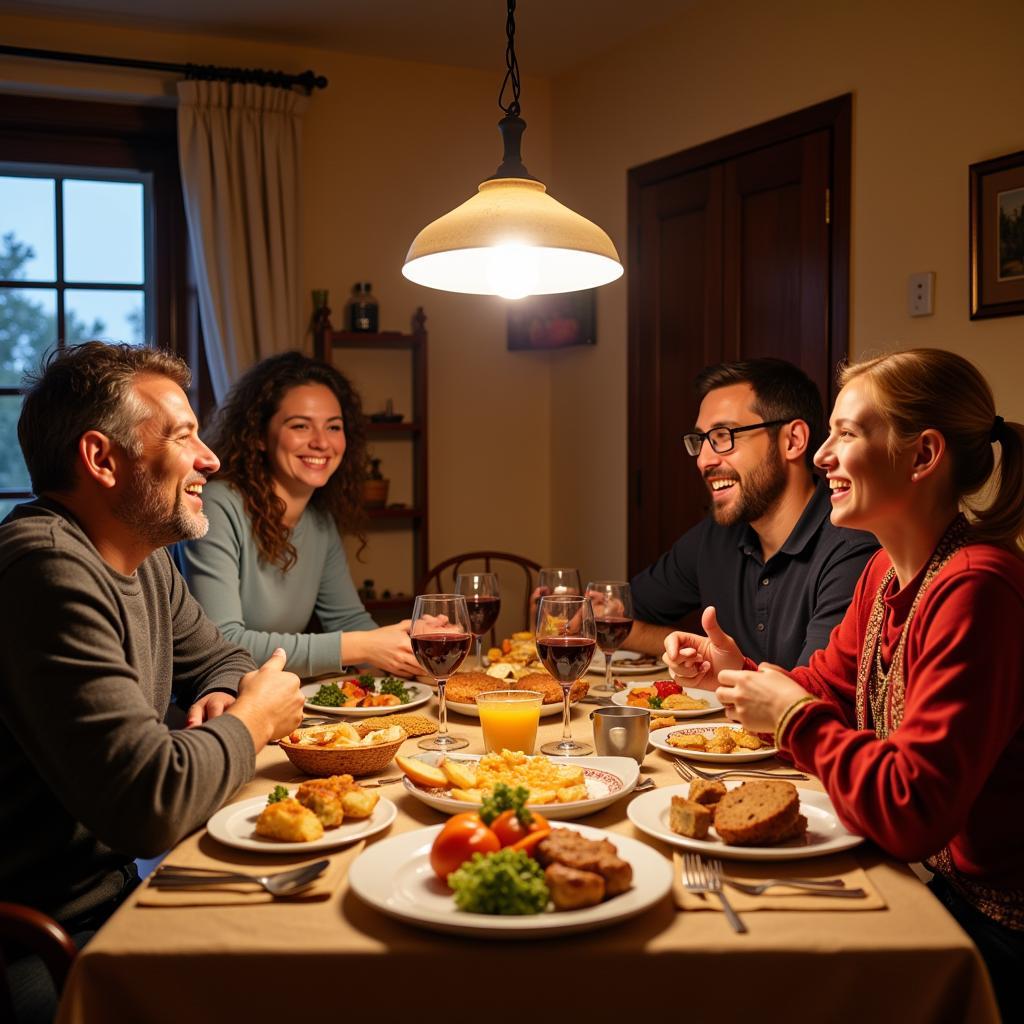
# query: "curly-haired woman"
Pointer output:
{"type": "Point", "coordinates": [913, 715]}
{"type": "Point", "coordinates": [292, 443]}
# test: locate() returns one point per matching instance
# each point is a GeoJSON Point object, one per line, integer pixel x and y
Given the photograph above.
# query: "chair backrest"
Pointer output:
{"type": "Point", "coordinates": [30, 931]}
{"type": "Point", "coordinates": [517, 577]}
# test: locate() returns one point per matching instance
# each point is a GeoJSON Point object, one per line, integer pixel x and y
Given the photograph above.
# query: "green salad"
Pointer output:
{"type": "Point", "coordinates": [506, 882]}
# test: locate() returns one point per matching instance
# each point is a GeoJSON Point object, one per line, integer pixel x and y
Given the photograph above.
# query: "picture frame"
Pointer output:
{"type": "Point", "coordinates": [546, 322]}
{"type": "Point", "coordinates": [996, 286]}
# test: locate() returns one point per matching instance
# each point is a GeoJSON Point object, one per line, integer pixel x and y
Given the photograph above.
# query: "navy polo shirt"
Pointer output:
{"type": "Point", "coordinates": [782, 610]}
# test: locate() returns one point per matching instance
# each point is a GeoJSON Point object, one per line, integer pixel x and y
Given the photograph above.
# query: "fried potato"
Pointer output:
{"type": "Point", "coordinates": [359, 802]}
{"type": "Point", "coordinates": [460, 774]}
{"type": "Point", "coordinates": [288, 821]}
{"type": "Point", "coordinates": [467, 796]}
{"type": "Point", "coordinates": [543, 796]}
{"type": "Point", "coordinates": [570, 794]}
{"type": "Point", "coordinates": [422, 773]}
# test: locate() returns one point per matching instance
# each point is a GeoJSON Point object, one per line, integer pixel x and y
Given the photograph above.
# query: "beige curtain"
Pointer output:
{"type": "Point", "coordinates": [239, 149]}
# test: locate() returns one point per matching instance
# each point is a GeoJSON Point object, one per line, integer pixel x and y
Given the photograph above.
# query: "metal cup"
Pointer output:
{"type": "Point", "coordinates": [621, 732]}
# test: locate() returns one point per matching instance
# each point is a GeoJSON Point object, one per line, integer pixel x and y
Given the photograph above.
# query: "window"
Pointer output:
{"type": "Point", "coordinates": [92, 244]}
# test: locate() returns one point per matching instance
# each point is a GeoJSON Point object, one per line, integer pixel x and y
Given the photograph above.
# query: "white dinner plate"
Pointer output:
{"type": "Point", "coordinates": [825, 832]}
{"type": "Point", "coordinates": [395, 877]}
{"type": "Point", "coordinates": [659, 739]}
{"type": "Point", "coordinates": [235, 825]}
{"type": "Point", "coordinates": [606, 778]}
{"type": "Point", "coordinates": [713, 705]}
{"type": "Point", "coordinates": [418, 695]}
{"type": "Point", "coordinates": [624, 664]}
{"type": "Point", "coordinates": [546, 710]}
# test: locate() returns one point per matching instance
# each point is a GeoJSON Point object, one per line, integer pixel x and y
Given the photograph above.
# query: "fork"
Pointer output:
{"type": "Point", "coordinates": [373, 783]}
{"type": "Point", "coordinates": [689, 772]}
{"type": "Point", "coordinates": [828, 887]}
{"type": "Point", "coordinates": [706, 876]}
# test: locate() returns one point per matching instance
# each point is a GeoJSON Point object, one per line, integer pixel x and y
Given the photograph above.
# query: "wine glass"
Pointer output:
{"type": "Point", "coordinates": [441, 637]}
{"type": "Point", "coordinates": [559, 581]}
{"type": "Point", "coordinates": [613, 619]}
{"type": "Point", "coordinates": [565, 641]}
{"type": "Point", "coordinates": [483, 601]}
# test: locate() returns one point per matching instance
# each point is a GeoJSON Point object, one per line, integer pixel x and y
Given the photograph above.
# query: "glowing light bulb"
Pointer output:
{"type": "Point", "coordinates": [512, 270]}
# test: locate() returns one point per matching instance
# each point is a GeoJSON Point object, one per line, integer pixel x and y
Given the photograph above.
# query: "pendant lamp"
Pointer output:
{"type": "Point", "coordinates": [512, 239]}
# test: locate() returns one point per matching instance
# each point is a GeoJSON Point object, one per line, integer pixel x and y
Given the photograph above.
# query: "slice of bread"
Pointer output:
{"type": "Point", "coordinates": [707, 792]}
{"type": "Point", "coordinates": [687, 818]}
{"type": "Point", "coordinates": [757, 813]}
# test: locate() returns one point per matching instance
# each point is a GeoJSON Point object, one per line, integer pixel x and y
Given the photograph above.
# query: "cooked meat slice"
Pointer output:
{"type": "Point", "coordinates": [572, 850]}
{"type": "Point", "coordinates": [572, 889]}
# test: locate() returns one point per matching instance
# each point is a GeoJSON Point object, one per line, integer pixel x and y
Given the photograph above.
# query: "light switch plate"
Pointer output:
{"type": "Point", "coordinates": [919, 294]}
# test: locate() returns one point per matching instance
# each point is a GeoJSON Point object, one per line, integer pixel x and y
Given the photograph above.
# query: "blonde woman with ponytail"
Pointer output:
{"type": "Point", "coordinates": [913, 716]}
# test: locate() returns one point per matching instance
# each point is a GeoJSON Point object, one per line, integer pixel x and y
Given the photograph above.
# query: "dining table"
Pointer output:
{"type": "Point", "coordinates": [900, 957]}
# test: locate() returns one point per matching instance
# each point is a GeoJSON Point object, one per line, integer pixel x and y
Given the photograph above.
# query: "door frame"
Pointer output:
{"type": "Point", "coordinates": [836, 116]}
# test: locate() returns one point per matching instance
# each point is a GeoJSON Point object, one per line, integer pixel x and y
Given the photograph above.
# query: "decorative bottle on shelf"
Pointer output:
{"type": "Point", "coordinates": [375, 487]}
{"type": "Point", "coordinates": [363, 309]}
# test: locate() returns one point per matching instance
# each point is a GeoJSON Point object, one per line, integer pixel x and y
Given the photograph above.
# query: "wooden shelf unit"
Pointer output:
{"type": "Point", "coordinates": [326, 341]}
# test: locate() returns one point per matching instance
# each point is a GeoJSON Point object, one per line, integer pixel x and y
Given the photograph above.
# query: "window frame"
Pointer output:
{"type": "Point", "coordinates": [38, 132]}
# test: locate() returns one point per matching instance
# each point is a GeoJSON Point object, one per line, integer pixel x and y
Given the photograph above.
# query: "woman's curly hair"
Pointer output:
{"type": "Point", "coordinates": [238, 435]}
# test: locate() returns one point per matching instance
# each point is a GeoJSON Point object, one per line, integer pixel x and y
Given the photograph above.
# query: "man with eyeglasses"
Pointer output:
{"type": "Point", "coordinates": [767, 559]}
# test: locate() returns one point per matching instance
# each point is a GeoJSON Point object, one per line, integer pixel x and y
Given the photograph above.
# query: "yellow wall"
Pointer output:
{"type": "Point", "coordinates": [389, 146]}
{"type": "Point", "coordinates": [936, 87]}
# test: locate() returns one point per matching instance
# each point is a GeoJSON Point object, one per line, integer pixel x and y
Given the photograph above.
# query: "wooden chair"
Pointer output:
{"type": "Point", "coordinates": [441, 578]}
{"type": "Point", "coordinates": [31, 931]}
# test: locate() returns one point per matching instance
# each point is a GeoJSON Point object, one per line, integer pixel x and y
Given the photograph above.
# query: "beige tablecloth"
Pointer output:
{"type": "Point", "coordinates": [909, 962]}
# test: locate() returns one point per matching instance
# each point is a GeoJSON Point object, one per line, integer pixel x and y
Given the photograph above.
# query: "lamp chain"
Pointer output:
{"type": "Point", "coordinates": [511, 63]}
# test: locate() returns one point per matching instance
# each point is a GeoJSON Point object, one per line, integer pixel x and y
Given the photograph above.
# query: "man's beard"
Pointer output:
{"type": "Point", "coordinates": [759, 493]}
{"type": "Point", "coordinates": [145, 508]}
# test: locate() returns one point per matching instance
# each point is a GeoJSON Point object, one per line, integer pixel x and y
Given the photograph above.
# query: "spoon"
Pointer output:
{"type": "Point", "coordinates": [283, 883]}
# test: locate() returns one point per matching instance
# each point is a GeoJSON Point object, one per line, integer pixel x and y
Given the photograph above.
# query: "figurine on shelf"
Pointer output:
{"type": "Point", "coordinates": [388, 415]}
{"type": "Point", "coordinates": [366, 592]}
{"type": "Point", "coordinates": [363, 309]}
{"type": "Point", "coordinates": [375, 487]}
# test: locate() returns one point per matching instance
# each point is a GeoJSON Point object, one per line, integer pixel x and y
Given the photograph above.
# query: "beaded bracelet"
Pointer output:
{"type": "Point", "coordinates": [788, 714]}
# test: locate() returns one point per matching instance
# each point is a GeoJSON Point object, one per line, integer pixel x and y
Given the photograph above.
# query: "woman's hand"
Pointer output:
{"type": "Point", "coordinates": [387, 648]}
{"type": "Point", "coordinates": [758, 700]}
{"type": "Point", "coordinates": [696, 659]}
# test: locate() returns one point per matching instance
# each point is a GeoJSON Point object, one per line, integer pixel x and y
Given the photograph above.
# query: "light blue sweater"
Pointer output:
{"type": "Point", "coordinates": [260, 607]}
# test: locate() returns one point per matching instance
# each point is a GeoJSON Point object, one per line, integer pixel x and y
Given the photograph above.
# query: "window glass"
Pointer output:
{"type": "Point", "coordinates": [103, 232]}
{"type": "Point", "coordinates": [113, 316]}
{"type": "Point", "coordinates": [28, 327]}
{"type": "Point", "coordinates": [28, 235]}
{"type": "Point", "coordinates": [13, 474]}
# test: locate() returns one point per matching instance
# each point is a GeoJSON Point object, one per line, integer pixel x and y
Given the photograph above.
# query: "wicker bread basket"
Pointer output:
{"type": "Point", "coordinates": [355, 761]}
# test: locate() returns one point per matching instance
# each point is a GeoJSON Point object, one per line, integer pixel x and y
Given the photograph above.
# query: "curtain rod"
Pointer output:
{"type": "Point", "coordinates": [308, 80]}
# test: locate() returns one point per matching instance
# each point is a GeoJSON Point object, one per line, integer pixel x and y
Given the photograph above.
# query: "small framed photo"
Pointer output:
{"type": "Point", "coordinates": [543, 322]}
{"type": "Point", "coordinates": [997, 237]}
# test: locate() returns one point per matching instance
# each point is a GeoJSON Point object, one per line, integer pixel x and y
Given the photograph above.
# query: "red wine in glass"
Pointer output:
{"type": "Point", "coordinates": [565, 657]}
{"type": "Point", "coordinates": [483, 612]}
{"type": "Point", "coordinates": [441, 653]}
{"type": "Point", "coordinates": [612, 631]}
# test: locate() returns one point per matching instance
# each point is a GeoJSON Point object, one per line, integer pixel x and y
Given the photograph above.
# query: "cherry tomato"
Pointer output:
{"type": "Point", "coordinates": [462, 836]}
{"type": "Point", "coordinates": [510, 830]}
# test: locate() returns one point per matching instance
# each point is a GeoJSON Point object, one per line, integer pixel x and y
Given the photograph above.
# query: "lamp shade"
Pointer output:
{"type": "Point", "coordinates": [512, 239]}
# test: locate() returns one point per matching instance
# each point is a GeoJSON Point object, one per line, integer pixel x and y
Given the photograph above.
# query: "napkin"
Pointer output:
{"type": "Point", "coordinates": [779, 898]}
{"type": "Point", "coordinates": [200, 851]}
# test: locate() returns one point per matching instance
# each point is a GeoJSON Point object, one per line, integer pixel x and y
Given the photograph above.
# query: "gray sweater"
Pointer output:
{"type": "Point", "coordinates": [259, 606]}
{"type": "Point", "coordinates": [90, 777]}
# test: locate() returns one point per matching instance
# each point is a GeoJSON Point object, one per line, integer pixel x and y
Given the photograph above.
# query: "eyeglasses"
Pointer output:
{"type": "Point", "coordinates": [722, 439]}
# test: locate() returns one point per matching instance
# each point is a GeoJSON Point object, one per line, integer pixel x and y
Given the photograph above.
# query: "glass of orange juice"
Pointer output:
{"type": "Point", "coordinates": [509, 719]}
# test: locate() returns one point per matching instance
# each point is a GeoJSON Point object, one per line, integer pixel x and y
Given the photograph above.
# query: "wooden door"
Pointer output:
{"type": "Point", "coordinates": [736, 251]}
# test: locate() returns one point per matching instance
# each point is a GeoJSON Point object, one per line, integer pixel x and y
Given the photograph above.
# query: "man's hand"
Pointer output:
{"type": "Point", "coordinates": [269, 700]}
{"type": "Point", "coordinates": [758, 700]}
{"type": "Point", "coordinates": [211, 706]}
{"type": "Point", "coordinates": [698, 659]}
{"type": "Point", "coordinates": [386, 648]}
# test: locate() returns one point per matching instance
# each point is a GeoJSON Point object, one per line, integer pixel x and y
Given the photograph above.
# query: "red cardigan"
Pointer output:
{"type": "Point", "coordinates": [953, 772]}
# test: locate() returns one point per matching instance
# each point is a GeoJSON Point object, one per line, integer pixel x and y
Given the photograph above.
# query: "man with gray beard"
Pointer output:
{"type": "Point", "coordinates": [767, 565]}
{"type": "Point", "coordinates": [97, 632]}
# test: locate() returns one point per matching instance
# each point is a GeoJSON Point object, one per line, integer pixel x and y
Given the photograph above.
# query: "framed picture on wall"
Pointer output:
{"type": "Point", "coordinates": [553, 321]}
{"type": "Point", "coordinates": [997, 237]}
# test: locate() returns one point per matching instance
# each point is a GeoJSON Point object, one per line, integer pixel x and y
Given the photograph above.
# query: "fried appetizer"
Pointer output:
{"type": "Point", "coordinates": [689, 818]}
{"type": "Point", "coordinates": [288, 821]}
{"type": "Point", "coordinates": [747, 740]}
{"type": "Point", "coordinates": [722, 741]}
{"type": "Point", "coordinates": [569, 848]}
{"type": "Point", "coordinates": [683, 702]}
{"type": "Point", "coordinates": [688, 740]}
{"type": "Point", "coordinates": [707, 792]}
{"type": "Point", "coordinates": [321, 795]}
{"type": "Point", "coordinates": [324, 803]}
{"type": "Point", "coordinates": [572, 889]}
{"type": "Point", "coordinates": [662, 723]}
{"type": "Point", "coordinates": [359, 802]}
